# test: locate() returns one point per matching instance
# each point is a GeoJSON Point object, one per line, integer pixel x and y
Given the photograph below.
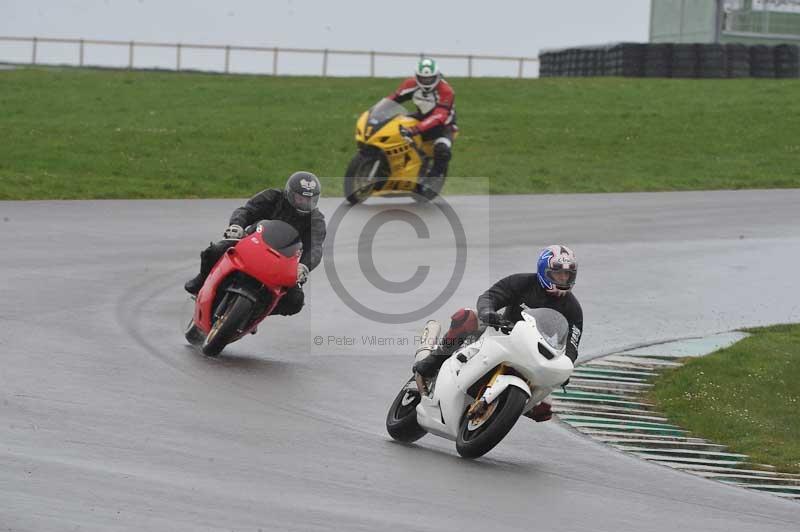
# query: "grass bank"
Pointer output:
{"type": "Point", "coordinates": [746, 396]}
{"type": "Point", "coordinates": [72, 133]}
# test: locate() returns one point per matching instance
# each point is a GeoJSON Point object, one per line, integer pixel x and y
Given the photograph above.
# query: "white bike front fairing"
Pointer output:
{"type": "Point", "coordinates": [538, 369]}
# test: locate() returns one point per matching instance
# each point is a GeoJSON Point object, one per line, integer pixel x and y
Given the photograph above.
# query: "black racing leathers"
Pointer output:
{"type": "Point", "coordinates": [523, 288]}
{"type": "Point", "coordinates": [271, 204]}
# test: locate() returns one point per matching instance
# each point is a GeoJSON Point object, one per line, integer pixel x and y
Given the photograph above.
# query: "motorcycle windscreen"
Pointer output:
{"type": "Point", "coordinates": [384, 110]}
{"type": "Point", "coordinates": [280, 236]}
{"type": "Point", "coordinates": [552, 325]}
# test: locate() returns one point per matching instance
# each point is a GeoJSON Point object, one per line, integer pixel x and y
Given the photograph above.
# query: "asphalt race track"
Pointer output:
{"type": "Point", "coordinates": [109, 421]}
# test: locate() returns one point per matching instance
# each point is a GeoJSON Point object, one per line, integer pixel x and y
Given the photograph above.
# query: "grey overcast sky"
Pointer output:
{"type": "Point", "coordinates": [512, 27]}
{"type": "Point", "coordinates": [500, 27]}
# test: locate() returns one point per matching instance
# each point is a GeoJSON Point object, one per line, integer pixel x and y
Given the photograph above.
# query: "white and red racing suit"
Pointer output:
{"type": "Point", "coordinates": [437, 115]}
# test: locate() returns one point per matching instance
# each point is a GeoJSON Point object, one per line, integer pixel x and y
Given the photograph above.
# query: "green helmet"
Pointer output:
{"type": "Point", "coordinates": [427, 74]}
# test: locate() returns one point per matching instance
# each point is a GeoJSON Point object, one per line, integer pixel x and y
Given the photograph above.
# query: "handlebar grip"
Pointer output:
{"type": "Point", "coordinates": [501, 325]}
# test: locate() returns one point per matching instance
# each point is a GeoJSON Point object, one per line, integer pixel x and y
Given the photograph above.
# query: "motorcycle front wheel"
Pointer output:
{"type": "Point", "coordinates": [401, 421]}
{"type": "Point", "coordinates": [360, 176]}
{"type": "Point", "coordinates": [227, 326]}
{"type": "Point", "coordinates": [477, 437]}
{"type": "Point", "coordinates": [193, 334]}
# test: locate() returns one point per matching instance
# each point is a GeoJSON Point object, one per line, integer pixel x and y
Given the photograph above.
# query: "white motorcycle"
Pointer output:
{"type": "Point", "coordinates": [484, 387]}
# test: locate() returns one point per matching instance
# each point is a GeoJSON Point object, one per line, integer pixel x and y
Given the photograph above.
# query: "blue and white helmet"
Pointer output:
{"type": "Point", "coordinates": [557, 269]}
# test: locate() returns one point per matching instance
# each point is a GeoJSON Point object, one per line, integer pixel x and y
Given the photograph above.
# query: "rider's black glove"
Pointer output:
{"type": "Point", "coordinates": [490, 316]}
{"type": "Point", "coordinates": [409, 133]}
{"type": "Point", "coordinates": [234, 232]}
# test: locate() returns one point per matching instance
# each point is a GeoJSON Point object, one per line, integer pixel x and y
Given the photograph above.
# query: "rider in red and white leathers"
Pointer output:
{"type": "Point", "coordinates": [435, 101]}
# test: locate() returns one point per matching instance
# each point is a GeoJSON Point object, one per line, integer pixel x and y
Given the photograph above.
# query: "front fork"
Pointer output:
{"type": "Point", "coordinates": [422, 386]}
{"type": "Point", "coordinates": [220, 308]}
{"type": "Point", "coordinates": [479, 406]}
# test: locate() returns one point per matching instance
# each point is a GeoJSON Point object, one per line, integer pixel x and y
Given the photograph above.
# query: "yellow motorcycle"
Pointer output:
{"type": "Point", "coordinates": [390, 162]}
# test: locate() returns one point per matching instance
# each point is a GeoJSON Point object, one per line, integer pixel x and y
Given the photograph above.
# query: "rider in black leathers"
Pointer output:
{"type": "Point", "coordinates": [295, 205]}
{"type": "Point", "coordinates": [549, 287]}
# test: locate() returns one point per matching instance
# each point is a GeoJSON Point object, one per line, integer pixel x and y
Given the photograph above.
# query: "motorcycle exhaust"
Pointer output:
{"type": "Point", "coordinates": [428, 340]}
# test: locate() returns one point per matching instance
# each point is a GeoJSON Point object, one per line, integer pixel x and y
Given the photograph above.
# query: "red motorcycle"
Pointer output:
{"type": "Point", "coordinates": [245, 285]}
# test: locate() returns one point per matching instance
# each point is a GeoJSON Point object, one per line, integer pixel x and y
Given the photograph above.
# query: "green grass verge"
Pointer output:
{"type": "Point", "coordinates": [72, 133]}
{"type": "Point", "coordinates": [746, 396]}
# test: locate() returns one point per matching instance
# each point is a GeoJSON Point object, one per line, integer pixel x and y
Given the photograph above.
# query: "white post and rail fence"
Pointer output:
{"type": "Point", "coordinates": [469, 64]}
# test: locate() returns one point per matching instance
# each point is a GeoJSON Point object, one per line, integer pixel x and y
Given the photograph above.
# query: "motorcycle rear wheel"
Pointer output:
{"type": "Point", "coordinates": [227, 326]}
{"type": "Point", "coordinates": [477, 441]}
{"type": "Point", "coordinates": [401, 421]}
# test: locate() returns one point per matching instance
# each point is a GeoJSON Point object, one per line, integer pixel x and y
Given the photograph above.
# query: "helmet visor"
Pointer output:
{"type": "Point", "coordinates": [304, 201]}
{"type": "Point", "coordinates": [427, 81]}
{"type": "Point", "coordinates": [563, 278]}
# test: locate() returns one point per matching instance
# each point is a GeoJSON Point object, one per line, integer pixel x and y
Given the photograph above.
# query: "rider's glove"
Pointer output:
{"type": "Point", "coordinates": [409, 133]}
{"type": "Point", "coordinates": [413, 131]}
{"type": "Point", "coordinates": [234, 232]}
{"type": "Point", "coordinates": [490, 316]}
{"type": "Point", "coordinates": [302, 274]}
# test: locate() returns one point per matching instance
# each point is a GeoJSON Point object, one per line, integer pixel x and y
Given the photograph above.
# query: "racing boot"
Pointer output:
{"type": "Point", "coordinates": [429, 366]}
{"type": "Point", "coordinates": [208, 257]}
{"type": "Point", "coordinates": [430, 186]}
{"type": "Point", "coordinates": [441, 157]}
{"type": "Point", "coordinates": [194, 284]}
{"type": "Point", "coordinates": [541, 412]}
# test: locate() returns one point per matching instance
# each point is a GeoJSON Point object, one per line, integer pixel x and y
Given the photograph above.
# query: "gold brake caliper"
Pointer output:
{"type": "Point", "coordinates": [479, 411]}
{"type": "Point", "coordinates": [422, 386]}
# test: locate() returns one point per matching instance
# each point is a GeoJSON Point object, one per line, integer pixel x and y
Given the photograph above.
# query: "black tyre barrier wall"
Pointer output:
{"type": "Point", "coordinates": [762, 61]}
{"type": "Point", "coordinates": [684, 61]}
{"type": "Point", "coordinates": [737, 61]}
{"type": "Point", "coordinates": [787, 61]}
{"type": "Point", "coordinates": [674, 60]}
{"type": "Point", "coordinates": [658, 60]}
{"type": "Point", "coordinates": [711, 61]}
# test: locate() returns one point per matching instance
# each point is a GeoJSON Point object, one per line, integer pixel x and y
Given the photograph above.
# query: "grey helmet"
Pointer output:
{"type": "Point", "coordinates": [302, 191]}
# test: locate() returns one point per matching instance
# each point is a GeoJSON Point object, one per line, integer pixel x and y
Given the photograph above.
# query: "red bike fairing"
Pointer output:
{"type": "Point", "coordinates": [254, 257]}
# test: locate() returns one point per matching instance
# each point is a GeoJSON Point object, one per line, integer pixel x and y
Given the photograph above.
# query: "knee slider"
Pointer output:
{"type": "Point", "coordinates": [463, 321]}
